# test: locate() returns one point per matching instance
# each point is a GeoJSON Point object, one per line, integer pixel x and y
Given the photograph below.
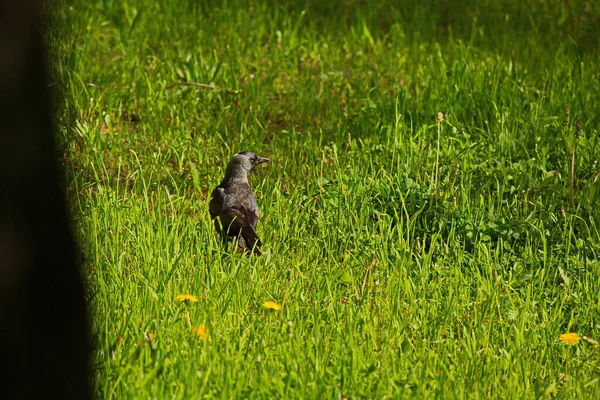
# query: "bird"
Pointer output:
{"type": "Point", "coordinates": [233, 207]}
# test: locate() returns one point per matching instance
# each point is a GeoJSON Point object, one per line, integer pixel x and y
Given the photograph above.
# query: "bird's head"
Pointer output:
{"type": "Point", "coordinates": [242, 164]}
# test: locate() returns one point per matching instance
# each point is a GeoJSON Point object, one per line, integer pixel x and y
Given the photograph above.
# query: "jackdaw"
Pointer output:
{"type": "Point", "coordinates": [233, 207]}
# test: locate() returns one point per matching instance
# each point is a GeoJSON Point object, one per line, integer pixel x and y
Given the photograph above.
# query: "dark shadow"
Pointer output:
{"type": "Point", "coordinates": [44, 343]}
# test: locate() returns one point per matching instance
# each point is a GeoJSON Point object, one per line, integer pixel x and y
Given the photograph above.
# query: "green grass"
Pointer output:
{"type": "Point", "coordinates": [413, 259]}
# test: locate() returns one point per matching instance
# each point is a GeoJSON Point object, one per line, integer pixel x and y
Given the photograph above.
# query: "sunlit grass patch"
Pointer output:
{"type": "Point", "coordinates": [429, 217]}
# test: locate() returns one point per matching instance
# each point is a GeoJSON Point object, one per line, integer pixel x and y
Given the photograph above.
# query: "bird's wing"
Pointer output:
{"type": "Point", "coordinates": [216, 206]}
{"type": "Point", "coordinates": [252, 214]}
{"type": "Point", "coordinates": [253, 242]}
{"type": "Point", "coordinates": [239, 219]}
{"type": "Point", "coordinates": [248, 204]}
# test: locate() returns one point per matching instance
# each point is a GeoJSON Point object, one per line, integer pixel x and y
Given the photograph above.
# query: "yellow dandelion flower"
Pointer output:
{"type": "Point", "coordinates": [187, 297]}
{"type": "Point", "coordinates": [271, 305]}
{"type": "Point", "coordinates": [569, 338]}
{"type": "Point", "coordinates": [200, 331]}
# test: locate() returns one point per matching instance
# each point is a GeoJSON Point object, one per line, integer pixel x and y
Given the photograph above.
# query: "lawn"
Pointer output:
{"type": "Point", "coordinates": [430, 216]}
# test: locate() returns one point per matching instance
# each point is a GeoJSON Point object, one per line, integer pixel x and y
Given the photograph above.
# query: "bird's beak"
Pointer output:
{"type": "Point", "coordinates": [260, 160]}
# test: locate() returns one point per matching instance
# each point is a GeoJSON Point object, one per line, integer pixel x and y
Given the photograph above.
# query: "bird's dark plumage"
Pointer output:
{"type": "Point", "coordinates": [233, 207]}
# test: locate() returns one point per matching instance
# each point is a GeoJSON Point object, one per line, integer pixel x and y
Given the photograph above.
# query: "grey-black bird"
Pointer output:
{"type": "Point", "coordinates": [233, 207]}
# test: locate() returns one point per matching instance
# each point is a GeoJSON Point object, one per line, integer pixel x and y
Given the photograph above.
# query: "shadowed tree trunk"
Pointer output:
{"type": "Point", "coordinates": [43, 329]}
